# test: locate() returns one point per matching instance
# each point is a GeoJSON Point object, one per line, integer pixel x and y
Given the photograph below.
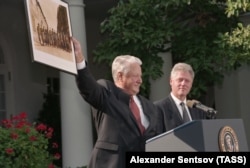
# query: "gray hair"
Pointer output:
{"type": "Point", "coordinates": [182, 67]}
{"type": "Point", "coordinates": [122, 64]}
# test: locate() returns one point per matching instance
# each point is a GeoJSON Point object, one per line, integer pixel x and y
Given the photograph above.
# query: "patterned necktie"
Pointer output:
{"type": "Point", "coordinates": [136, 112]}
{"type": "Point", "coordinates": [185, 113]}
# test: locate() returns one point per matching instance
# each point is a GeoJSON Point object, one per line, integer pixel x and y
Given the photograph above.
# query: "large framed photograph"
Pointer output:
{"type": "Point", "coordinates": [50, 31]}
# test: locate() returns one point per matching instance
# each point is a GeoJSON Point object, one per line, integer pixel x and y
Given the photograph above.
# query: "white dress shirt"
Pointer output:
{"type": "Point", "coordinates": [178, 102]}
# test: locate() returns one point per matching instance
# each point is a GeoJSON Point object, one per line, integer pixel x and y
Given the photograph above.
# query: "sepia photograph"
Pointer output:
{"type": "Point", "coordinates": [50, 31]}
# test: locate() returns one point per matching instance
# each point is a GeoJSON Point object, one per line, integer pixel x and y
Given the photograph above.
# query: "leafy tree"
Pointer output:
{"type": "Point", "coordinates": [237, 41]}
{"type": "Point", "coordinates": [202, 33]}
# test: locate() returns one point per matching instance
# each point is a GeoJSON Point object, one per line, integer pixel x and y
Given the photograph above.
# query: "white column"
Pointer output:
{"type": "Point", "coordinates": [160, 88]}
{"type": "Point", "coordinates": [77, 139]}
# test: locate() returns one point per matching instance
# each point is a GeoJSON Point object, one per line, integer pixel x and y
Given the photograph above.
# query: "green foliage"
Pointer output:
{"type": "Point", "coordinates": [199, 32]}
{"type": "Point", "coordinates": [195, 45]}
{"type": "Point", "coordinates": [51, 115]}
{"type": "Point", "coordinates": [237, 45]}
{"type": "Point", "coordinates": [236, 7]}
{"type": "Point", "coordinates": [24, 144]}
{"type": "Point", "coordinates": [136, 28]}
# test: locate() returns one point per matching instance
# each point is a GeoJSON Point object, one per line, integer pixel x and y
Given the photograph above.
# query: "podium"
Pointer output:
{"type": "Point", "coordinates": [201, 136]}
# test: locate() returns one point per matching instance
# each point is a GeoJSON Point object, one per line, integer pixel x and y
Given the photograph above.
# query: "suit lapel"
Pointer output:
{"type": "Point", "coordinates": [175, 112]}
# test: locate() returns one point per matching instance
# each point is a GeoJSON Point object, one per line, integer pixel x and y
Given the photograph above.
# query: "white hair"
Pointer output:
{"type": "Point", "coordinates": [182, 67]}
{"type": "Point", "coordinates": [122, 64]}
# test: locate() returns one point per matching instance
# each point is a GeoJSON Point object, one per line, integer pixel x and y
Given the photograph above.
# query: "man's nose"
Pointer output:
{"type": "Point", "coordinates": [140, 80]}
{"type": "Point", "coordinates": [183, 82]}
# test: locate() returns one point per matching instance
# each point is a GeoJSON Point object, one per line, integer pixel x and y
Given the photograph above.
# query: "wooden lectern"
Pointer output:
{"type": "Point", "coordinates": [202, 136]}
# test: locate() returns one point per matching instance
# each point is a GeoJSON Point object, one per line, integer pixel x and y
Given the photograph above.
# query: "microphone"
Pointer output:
{"type": "Point", "coordinates": [198, 105]}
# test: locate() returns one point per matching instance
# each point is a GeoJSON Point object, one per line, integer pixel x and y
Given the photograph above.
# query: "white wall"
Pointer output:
{"type": "Point", "coordinates": [232, 97]}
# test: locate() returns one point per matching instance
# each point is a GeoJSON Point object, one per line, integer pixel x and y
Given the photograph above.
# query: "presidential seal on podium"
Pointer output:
{"type": "Point", "coordinates": [228, 140]}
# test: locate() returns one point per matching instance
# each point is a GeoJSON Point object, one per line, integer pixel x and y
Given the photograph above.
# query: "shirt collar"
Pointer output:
{"type": "Point", "coordinates": [176, 100]}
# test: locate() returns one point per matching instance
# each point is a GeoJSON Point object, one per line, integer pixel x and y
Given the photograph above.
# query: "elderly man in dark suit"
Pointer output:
{"type": "Point", "coordinates": [123, 119]}
{"type": "Point", "coordinates": [173, 108]}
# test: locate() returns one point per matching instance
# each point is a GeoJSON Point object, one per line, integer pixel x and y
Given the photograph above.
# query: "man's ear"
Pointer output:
{"type": "Point", "coordinates": [119, 76]}
{"type": "Point", "coordinates": [170, 81]}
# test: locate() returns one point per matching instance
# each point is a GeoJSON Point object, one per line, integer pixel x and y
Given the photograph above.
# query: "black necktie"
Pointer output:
{"type": "Point", "coordinates": [185, 113]}
{"type": "Point", "coordinates": [135, 110]}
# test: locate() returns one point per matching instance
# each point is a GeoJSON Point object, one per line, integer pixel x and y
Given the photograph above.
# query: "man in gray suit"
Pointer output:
{"type": "Point", "coordinates": [118, 129]}
{"type": "Point", "coordinates": [173, 114]}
